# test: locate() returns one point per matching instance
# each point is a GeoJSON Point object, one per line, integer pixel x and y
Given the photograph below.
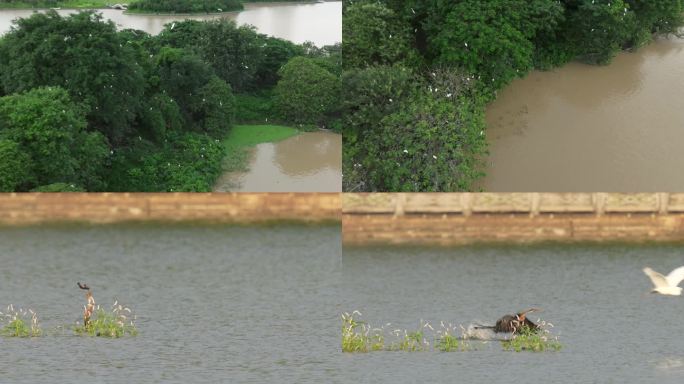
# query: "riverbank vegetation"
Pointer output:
{"type": "Point", "coordinates": [86, 107]}
{"type": "Point", "coordinates": [22, 4]}
{"type": "Point", "coordinates": [419, 74]}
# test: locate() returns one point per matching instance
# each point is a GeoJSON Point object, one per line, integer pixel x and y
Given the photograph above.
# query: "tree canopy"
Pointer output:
{"type": "Point", "coordinates": [402, 132]}
{"type": "Point", "coordinates": [86, 107]}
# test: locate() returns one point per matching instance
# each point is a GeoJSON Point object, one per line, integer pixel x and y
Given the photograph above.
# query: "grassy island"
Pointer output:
{"type": "Point", "coordinates": [184, 6]}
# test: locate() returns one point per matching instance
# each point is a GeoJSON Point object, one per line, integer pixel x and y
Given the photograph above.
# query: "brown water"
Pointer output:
{"type": "Point", "coordinates": [592, 128]}
{"type": "Point", "coordinates": [308, 162]}
{"type": "Point", "coordinates": [320, 23]}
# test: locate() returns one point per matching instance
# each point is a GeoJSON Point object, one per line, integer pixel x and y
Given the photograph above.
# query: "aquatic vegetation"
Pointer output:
{"type": "Point", "coordinates": [114, 323]}
{"type": "Point", "coordinates": [359, 336]}
{"type": "Point", "coordinates": [20, 323]}
{"type": "Point", "coordinates": [536, 341]}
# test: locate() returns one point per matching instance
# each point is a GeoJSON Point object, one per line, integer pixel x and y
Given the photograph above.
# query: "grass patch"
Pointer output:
{"type": "Point", "coordinates": [114, 323]}
{"type": "Point", "coordinates": [358, 336]}
{"type": "Point", "coordinates": [529, 340]}
{"type": "Point", "coordinates": [242, 137]}
{"type": "Point", "coordinates": [21, 323]}
{"type": "Point", "coordinates": [60, 4]}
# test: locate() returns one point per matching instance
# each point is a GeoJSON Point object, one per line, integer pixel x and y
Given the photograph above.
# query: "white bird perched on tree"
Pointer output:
{"type": "Point", "coordinates": [666, 285]}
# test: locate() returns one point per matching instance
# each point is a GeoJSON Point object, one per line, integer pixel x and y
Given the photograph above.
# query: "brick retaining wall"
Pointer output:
{"type": "Point", "coordinates": [34, 208]}
{"type": "Point", "coordinates": [462, 218]}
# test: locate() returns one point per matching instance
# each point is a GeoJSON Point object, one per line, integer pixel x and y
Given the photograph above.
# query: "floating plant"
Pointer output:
{"type": "Point", "coordinates": [115, 323]}
{"type": "Point", "coordinates": [20, 323]}
{"type": "Point", "coordinates": [534, 340]}
{"type": "Point", "coordinates": [359, 336]}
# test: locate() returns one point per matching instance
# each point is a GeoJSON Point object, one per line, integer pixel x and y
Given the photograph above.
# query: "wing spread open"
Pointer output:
{"type": "Point", "coordinates": [675, 277]}
{"type": "Point", "coordinates": [657, 279]}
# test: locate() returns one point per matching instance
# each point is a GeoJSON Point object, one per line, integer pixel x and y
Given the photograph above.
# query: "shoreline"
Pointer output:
{"type": "Point", "coordinates": [129, 12]}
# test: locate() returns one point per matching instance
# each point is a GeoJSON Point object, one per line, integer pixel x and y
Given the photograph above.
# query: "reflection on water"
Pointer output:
{"type": "Point", "coordinates": [308, 162]}
{"type": "Point", "coordinates": [599, 128]}
{"type": "Point", "coordinates": [597, 298]}
{"type": "Point", "coordinates": [320, 23]}
{"type": "Point", "coordinates": [214, 303]}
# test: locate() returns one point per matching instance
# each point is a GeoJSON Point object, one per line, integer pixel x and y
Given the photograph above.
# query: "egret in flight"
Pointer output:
{"type": "Point", "coordinates": [666, 285]}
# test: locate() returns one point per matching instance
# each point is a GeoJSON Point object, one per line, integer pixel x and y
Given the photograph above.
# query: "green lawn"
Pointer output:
{"type": "Point", "coordinates": [63, 4]}
{"type": "Point", "coordinates": [243, 137]}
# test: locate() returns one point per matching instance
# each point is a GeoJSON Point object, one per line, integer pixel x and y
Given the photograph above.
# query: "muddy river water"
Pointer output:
{"type": "Point", "coordinates": [308, 162]}
{"type": "Point", "coordinates": [320, 23]}
{"type": "Point", "coordinates": [592, 128]}
{"type": "Point", "coordinates": [610, 328]}
{"type": "Point", "coordinates": [214, 303]}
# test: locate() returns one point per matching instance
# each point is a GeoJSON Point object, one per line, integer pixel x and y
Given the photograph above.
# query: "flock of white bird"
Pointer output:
{"type": "Point", "coordinates": [666, 285]}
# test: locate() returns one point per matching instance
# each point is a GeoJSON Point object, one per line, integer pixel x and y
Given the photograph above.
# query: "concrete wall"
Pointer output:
{"type": "Point", "coordinates": [34, 208]}
{"type": "Point", "coordinates": [464, 218]}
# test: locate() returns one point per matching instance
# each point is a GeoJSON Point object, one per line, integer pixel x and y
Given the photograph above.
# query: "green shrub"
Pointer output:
{"type": "Point", "coordinates": [20, 323]}
{"type": "Point", "coordinates": [50, 129]}
{"type": "Point", "coordinates": [306, 92]}
{"type": "Point", "coordinates": [254, 108]}
{"type": "Point", "coordinates": [187, 162]}
{"type": "Point", "coordinates": [15, 166]}
{"type": "Point", "coordinates": [374, 35]}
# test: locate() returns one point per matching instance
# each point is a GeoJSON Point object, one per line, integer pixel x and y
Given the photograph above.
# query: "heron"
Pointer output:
{"type": "Point", "coordinates": [90, 306]}
{"type": "Point", "coordinates": [666, 285]}
{"type": "Point", "coordinates": [514, 323]}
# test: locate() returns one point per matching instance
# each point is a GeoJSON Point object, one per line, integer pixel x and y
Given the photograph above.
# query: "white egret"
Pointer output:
{"type": "Point", "coordinates": [666, 285]}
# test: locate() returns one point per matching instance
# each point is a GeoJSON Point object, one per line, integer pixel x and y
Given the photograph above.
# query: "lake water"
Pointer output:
{"type": "Point", "coordinates": [596, 297]}
{"type": "Point", "coordinates": [320, 23]}
{"type": "Point", "coordinates": [214, 303]}
{"type": "Point", "coordinates": [614, 128]}
{"type": "Point", "coordinates": [308, 162]}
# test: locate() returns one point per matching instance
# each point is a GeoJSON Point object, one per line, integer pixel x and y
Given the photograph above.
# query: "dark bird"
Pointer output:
{"type": "Point", "coordinates": [514, 323]}
{"type": "Point", "coordinates": [82, 286]}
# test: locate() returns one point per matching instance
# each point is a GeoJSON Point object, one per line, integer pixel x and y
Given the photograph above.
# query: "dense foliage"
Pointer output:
{"type": "Point", "coordinates": [306, 92]}
{"type": "Point", "coordinates": [50, 131]}
{"type": "Point", "coordinates": [406, 128]}
{"type": "Point", "coordinates": [185, 6]}
{"type": "Point", "coordinates": [86, 107]}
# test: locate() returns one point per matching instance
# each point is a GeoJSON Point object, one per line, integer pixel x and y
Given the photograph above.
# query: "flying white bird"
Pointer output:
{"type": "Point", "coordinates": [666, 285]}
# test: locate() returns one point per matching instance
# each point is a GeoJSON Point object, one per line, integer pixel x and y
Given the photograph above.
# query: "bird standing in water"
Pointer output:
{"type": "Point", "coordinates": [89, 307]}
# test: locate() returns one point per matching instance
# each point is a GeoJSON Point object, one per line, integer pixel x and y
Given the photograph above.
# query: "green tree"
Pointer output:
{"type": "Point", "coordinates": [205, 101]}
{"type": "Point", "coordinates": [433, 141]}
{"type": "Point", "coordinates": [306, 92]}
{"type": "Point", "coordinates": [234, 53]}
{"type": "Point", "coordinates": [82, 54]}
{"type": "Point", "coordinates": [598, 29]}
{"type": "Point", "coordinates": [374, 35]}
{"type": "Point", "coordinates": [50, 129]}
